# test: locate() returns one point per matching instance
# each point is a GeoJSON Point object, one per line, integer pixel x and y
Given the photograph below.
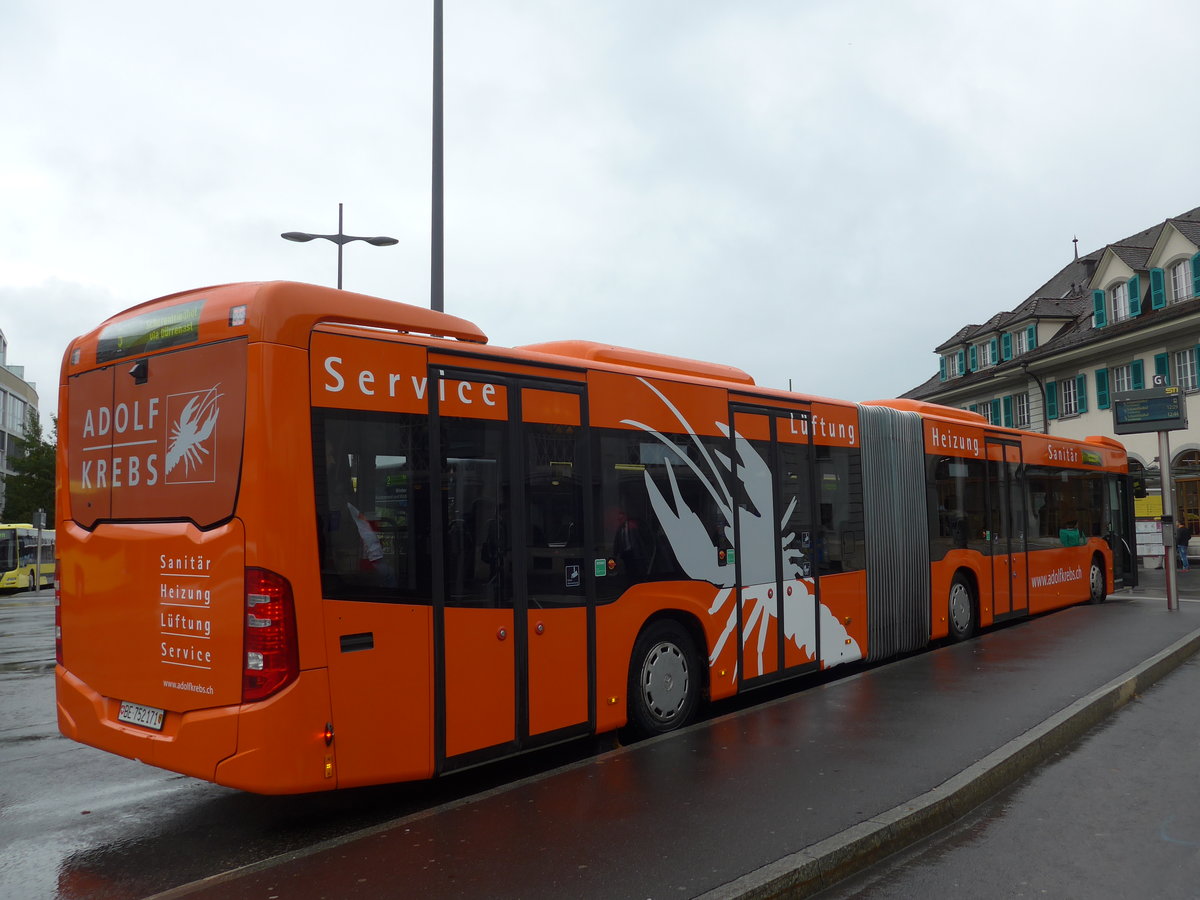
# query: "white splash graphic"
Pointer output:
{"type": "Point", "coordinates": [697, 554]}
{"type": "Point", "coordinates": [194, 426]}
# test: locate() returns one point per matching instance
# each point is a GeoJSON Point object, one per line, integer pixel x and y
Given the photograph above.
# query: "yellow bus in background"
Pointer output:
{"type": "Point", "coordinates": [24, 563]}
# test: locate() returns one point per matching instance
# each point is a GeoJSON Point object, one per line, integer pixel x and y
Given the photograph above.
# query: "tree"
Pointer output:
{"type": "Point", "coordinates": [31, 487]}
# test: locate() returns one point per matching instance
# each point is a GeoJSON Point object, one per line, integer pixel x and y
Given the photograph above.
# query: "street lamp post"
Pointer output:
{"type": "Point", "coordinates": [437, 299]}
{"type": "Point", "coordinates": [340, 239]}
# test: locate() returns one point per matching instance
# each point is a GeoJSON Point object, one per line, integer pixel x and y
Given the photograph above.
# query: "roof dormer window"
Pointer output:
{"type": "Point", "coordinates": [952, 365]}
{"type": "Point", "coordinates": [1181, 281]}
{"type": "Point", "coordinates": [1120, 302]}
{"type": "Point", "coordinates": [1118, 296]}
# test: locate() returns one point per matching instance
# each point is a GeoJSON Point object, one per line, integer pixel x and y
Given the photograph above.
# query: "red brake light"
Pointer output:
{"type": "Point", "coordinates": [272, 657]}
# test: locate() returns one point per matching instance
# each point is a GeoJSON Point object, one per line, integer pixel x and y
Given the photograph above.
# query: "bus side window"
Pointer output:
{"type": "Point", "coordinates": [629, 534]}
{"type": "Point", "coordinates": [841, 526]}
{"type": "Point", "coordinates": [958, 487]}
{"type": "Point", "coordinates": [369, 507]}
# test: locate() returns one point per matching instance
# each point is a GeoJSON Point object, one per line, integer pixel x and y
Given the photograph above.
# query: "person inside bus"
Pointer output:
{"type": "Point", "coordinates": [351, 546]}
{"type": "Point", "coordinates": [629, 547]}
{"type": "Point", "coordinates": [493, 552]}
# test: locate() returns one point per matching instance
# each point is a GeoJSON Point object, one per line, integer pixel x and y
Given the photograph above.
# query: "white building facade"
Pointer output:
{"type": "Point", "coordinates": [17, 397]}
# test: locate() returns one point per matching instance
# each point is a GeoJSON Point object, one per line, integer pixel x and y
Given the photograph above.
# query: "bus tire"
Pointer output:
{"type": "Point", "coordinates": [961, 608]}
{"type": "Point", "coordinates": [664, 679]}
{"type": "Point", "coordinates": [1097, 583]}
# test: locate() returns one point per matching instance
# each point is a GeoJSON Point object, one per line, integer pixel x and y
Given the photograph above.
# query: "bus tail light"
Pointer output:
{"type": "Point", "coordinates": [272, 657]}
{"type": "Point", "coordinates": [57, 613]}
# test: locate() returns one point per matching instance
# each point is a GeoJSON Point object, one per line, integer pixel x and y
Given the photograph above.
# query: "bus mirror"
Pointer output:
{"type": "Point", "coordinates": [1139, 487]}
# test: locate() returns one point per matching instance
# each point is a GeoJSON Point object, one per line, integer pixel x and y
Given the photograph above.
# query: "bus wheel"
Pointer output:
{"type": "Point", "coordinates": [1097, 589]}
{"type": "Point", "coordinates": [961, 608]}
{"type": "Point", "coordinates": [664, 679]}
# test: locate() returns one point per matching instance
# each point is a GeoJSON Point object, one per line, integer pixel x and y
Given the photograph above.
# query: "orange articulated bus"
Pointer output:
{"type": "Point", "coordinates": [310, 539]}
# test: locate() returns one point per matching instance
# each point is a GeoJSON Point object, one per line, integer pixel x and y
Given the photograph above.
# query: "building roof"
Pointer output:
{"type": "Point", "coordinates": [1062, 297]}
{"type": "Point", "coordinates": [1134, 257]}
{"type": "Point", "coordinates": [1189, 229]}
{"type": "Point", "coordinates": [959, 337]}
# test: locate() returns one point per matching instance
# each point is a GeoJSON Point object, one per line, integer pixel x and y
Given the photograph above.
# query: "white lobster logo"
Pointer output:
{"type": "Point", "coordinates": [694, 549]}
{"type": "Point", "coordinates": [194, 426]}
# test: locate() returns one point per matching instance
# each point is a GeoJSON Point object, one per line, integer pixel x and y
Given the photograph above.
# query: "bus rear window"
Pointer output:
{"type": "Point", "coordinates": [166, 444]}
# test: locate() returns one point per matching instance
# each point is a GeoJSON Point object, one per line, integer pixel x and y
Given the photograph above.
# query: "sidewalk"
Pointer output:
{"type": "Point", "coordinates": [789, 796]}
{"type": "Point", "coordinates": [1153, 582]}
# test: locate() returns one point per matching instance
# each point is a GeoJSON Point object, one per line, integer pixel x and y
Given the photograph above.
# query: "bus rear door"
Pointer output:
{"type": "Point", "coordinates": [1121, 535]}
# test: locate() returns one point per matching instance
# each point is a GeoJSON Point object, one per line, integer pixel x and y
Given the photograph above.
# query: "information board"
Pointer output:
{"type": "Point", "coordinates": [1154, 409]}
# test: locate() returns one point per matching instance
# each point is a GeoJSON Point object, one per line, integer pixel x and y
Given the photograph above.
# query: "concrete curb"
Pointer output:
{"type": "Point", "coordinates": [824, 864]}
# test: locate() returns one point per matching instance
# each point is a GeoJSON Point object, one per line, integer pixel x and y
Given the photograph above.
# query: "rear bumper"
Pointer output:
{"type": "Point", "coordinates": [273, 747]}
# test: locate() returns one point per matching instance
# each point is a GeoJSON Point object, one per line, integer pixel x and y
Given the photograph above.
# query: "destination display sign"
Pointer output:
{"type": "Point", "coordinates": [155, 330]}
{"type": "Point", "coordinates": [1153, 409]}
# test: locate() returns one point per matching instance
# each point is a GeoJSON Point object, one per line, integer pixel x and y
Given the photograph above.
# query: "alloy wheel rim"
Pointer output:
{"type": "Point", "coordinates": [960, 607]}
{"type": "Point", "coordinates": [664, 681]}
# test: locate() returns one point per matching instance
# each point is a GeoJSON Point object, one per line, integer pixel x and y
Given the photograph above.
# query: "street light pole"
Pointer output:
{"type": "Point", "coordinates": [340, 239]}
{"type": "Point", "coordinates": [436, 251]}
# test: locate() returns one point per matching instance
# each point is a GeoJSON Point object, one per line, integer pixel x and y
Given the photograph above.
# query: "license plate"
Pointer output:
{"type": "Point", "coordinates": [136, 714]}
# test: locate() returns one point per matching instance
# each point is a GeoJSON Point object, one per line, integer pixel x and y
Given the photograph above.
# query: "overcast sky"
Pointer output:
{"type": "Point", "coordinates": [818, 191]}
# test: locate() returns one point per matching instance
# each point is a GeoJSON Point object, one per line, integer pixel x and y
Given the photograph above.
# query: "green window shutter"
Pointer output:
{"type": "Point", "coordinates": [942, 367]}
{"type": "Point", "coordinates": [1135, 296]}
{"type": "Point", "coordinates": [974, 359]}
{"type": "Point", "coordinates": [1031, 336]}
{"type": "Point", "coordinates": [1099, 318]}
{"type": "Point", "coordinates": [1196, 362]}
{"type": "Point", "coordinates": [1051, 399]}
{"type": "Point", "coordinates": [1196, 275]}
{"type": "Point", "coordinates": [1008, 411]}
{"type": "Point", "coordinates": [1162, 366]}
{"type": "Point", "coordinates": [973, 408]}
{"type": "Point", "coordinates": [1137, 375]}
{"type": "Point", "coordinates": [995, 345]}
{"type": "Point", "coordinates": [1081, 393]}
{"type": "Point", "coordinates": [1158, 289]}
{"type": "Point", "coordinates": [1006, 346]}
{"type": "Point", "coordinates": [996, 411]}
{"type": "Point", "coordinates": [962, 369]}
{"type": "Point", "coordinates": [1102, 389]}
